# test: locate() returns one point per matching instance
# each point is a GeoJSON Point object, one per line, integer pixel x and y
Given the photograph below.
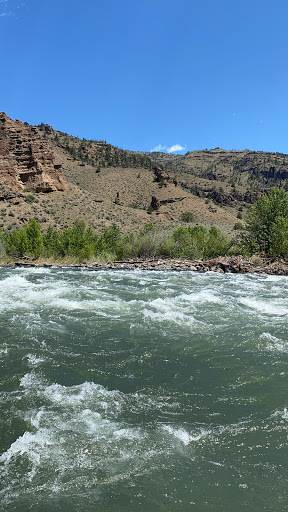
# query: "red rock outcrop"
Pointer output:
{"type": "Point", "coordinates": [162, 176]}
{"type": "Point", "coordinates": [27, 160]}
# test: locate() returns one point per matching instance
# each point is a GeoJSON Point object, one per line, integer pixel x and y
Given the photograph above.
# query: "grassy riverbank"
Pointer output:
{"type": "Point", "coordinates": [265, 234]}
{"type": "Point", "coordinates": [81, 244]}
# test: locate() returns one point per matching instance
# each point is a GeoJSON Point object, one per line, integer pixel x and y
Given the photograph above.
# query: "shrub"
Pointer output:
{"type": "Point", "coordinates": [256, 260]}
{"type": "Point", "coordinates": [187, 217]}
{"type": "Point", "coordinates": [266, 224]}
{"type": "Point", "coordinates": [238, 225]}
{"type": "Point", "coordinates": [27, 241]}
{"type": "Point", "coordinates": [30, 199]}
{"type": "Point", "coordinates": [197, 242]}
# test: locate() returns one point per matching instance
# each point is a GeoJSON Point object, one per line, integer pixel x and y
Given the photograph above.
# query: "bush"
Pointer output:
{"type": "Point", "coordinates": [238, 225]}
{"type": "Point", "coordinates": [266, 224]}
{"type": "Point", "coordinates": [197, 242]}
{"type": "Point", "coordinates": [30, 199]}
{"type": "Point", "coordinates": [187, 217]}
{"type": "Point", "coordinates": [144, 245]}
{"type": "Point", "coordinates": [80, 243]}
{"type": "Point", "coordinates": [27, 241]}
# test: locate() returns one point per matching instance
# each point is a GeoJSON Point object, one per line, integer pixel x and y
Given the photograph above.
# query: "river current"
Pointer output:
{"type": "Point", "coordinates": [143, 391]}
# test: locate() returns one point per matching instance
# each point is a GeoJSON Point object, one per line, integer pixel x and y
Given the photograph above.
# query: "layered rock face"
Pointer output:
{"type": "Point", "coordinates": [27, 160]}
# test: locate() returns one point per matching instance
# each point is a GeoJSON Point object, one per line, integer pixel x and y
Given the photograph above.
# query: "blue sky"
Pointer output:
{"type": "Point", "coordinates": [145, 74]}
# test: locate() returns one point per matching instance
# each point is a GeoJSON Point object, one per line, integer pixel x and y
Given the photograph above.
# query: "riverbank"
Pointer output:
{"type": "Point", "coordinates": [224, 265]}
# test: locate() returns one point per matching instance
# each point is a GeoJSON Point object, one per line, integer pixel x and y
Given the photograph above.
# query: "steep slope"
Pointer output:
{"type": "Point", "coordinates": [58, 178]}
{"type": "Point", "coordinates": [227, 177]}
{"type": "Point", "coordinates": [26, 160]}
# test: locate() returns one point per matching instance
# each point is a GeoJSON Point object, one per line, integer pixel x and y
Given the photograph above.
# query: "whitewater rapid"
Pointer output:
{"type": "Point", "coordinates": [143, 390]}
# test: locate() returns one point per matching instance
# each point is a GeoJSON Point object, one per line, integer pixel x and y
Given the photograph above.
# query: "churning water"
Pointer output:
{"type": "Point", "coordinates": [143, 391]}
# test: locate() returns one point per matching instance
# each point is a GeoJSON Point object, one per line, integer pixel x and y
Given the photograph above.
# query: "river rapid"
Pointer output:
{"type": "Point", "coordinates": [143, 391]}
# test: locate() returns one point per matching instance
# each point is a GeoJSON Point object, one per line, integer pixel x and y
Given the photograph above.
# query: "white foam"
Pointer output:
{"type": "Point", "coordinates": [275, 308]}
{"type": "Point", "coordinates": [182, 435]}
{"type": "Point", "coordinates": [274, 342]}
{"type": "Point", "coordinates": [79, 428]}
{"type": "Point", "coordinates": [33, 446]}
{"type": "Point", "coordinates": [83, 393]}
{"type": "Point", "coordinates": [33, 360]}
{"type": "Point", "coordinates": [201, 297]}
{"type": "Point", "coordinates": [127, 433]}
{"type": "Point", "coordinates": [30, 381]}
{"type": "Point", "coordinates": [283, 414]}
{"type": "Point", "coordinates": [176, 317]}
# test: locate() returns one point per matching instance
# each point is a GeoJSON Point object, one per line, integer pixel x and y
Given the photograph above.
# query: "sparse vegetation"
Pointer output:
{"type": "Point", "coordinates": [30, 199]}
{"type": "Point", "coordinates": [95, 171]}
{"type": "Point", "coordinates": [82, 244]}
{"type": "Point", "coordinates": [238, 226]}
{"type": "Point", "coordinates": [187, 217]}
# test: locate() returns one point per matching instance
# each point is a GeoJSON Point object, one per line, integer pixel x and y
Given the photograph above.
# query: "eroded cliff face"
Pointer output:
{"type": "Point", "coordinates": [26, 160]}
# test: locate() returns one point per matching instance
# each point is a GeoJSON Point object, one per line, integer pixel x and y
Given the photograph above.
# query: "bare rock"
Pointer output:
{"type": "Point", "coordinates": [162, 176]}
{"type": "Point", "coordinates": [26, 159]}
{"type": "Point", "coordinates": [117, 199]}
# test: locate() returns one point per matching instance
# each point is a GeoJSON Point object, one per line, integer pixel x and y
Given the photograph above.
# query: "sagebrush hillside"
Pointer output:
{"type": "Point", "coordinates": [57, 178]}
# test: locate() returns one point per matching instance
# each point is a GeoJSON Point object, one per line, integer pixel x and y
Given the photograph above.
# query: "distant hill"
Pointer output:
{"type": "Point", "coordinates": [227, 176]}
{"type": "Point", "coordinates": [58, 178]}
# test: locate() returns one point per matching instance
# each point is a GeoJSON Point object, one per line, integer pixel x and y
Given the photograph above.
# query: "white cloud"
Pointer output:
{"type": "Point", "coordinates": [175, 147]}
{"type": "Point", "coordinates": [11, 12]}
{"type": "Point", "coordinates": [6, 13]}
{"type": "Point", "coordinates": [158, 148]}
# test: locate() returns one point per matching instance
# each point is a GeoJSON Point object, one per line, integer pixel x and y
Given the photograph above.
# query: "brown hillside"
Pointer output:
{"type": "Point", "coordinates": [227, 177]}
{"type": "Point", "coordinates": [26, 160]}
{"type": "Point", "coordinates": [57, 179]}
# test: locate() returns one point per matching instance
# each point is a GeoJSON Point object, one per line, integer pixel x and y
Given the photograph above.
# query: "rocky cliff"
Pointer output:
{"type": "Point", "coordinates": [27, 160]}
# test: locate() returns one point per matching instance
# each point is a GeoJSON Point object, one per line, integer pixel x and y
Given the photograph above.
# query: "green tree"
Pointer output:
{"type": "Point", "coordinates": [52, 243]}
{"type": "Point", "coordinates": [16, 243]}
{"type": "Point", "coordinates": [266, 220]}
{"type": "Point", "coordinates": [216, 243]}
{"type": "Point", "coordinates": [26, 241]}
{"type": "Point", "coordinates": [34, 238]}
{"type": "Point", "coordinates": [77, 241]}
{"type": "Point", "coordinates": [279, 238]}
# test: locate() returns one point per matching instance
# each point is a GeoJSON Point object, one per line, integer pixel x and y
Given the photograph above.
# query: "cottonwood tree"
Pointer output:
{"type": "Point", "coordinates": [267, 224]}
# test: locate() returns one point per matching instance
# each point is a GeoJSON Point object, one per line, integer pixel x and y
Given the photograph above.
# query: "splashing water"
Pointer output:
{"type": "Point", "coordinates": [149, 391]}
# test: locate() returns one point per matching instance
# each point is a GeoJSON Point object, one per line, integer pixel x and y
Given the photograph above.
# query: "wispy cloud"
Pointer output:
{"type": "Point", "coordinates": [5, 8]}
{"type": "Point", "coordinates": [175, 148]}
{"type": "Point", "coordinates": [158, 148]}
{"type": "Point", "coordinates": [10, 10]}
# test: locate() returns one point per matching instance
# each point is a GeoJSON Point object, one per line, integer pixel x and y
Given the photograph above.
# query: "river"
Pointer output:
{"type": "Point", "coordinates": [143, 391]}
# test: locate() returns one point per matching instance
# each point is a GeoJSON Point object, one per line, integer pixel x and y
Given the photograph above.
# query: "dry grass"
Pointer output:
{"type": "Point", "coordinates": [91, 197]}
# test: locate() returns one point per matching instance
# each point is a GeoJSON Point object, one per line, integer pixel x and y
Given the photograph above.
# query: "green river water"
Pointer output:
{"type": "Point", "coordinates": [143, 391]}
